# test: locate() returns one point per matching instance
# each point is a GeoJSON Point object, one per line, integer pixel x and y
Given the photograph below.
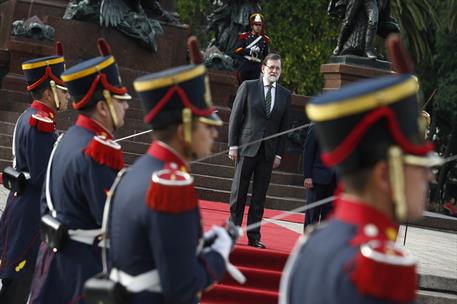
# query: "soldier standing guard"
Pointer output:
{"type": "Point", "coordinates": [81, 170]}
{"type": "Point", "coordinates": [33, 138]}
{"type": "Point", "coordinates": [370, 133]}
{"type": "Point", "coordinates": [252, 48]}
{"type": "Point", "coordinates": [155, 226]}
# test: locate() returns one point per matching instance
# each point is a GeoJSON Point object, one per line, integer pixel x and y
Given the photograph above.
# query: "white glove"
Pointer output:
{"type": "Point", "coordinates": [254, 51]}
{"type": "Point", "coordinates": [223, 242]}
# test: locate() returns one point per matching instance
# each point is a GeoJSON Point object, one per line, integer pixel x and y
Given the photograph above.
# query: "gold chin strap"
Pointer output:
{"type": "Point", "coordinates": [54, 92]}
{"type": "Point", "coordinates": [187, 124]}
{"type": "Point", "coordinates": [397, 181]}
{"type": "Point", "coordinates": [109, 102]}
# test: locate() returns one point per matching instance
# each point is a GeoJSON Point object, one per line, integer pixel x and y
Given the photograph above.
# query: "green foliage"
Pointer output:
{"type": "Point", "coordinates": [446, 98]}
{"type": "Point", "coordinates": [304, 36]}
{"type": "Point", "coordinates": [417, 19]}
{"type": "Point", "coordinates": [301, 32]}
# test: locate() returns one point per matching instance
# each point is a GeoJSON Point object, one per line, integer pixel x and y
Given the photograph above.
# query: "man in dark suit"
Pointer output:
{"type": "Point", "coordinates": [261, 108]}
{"type": "Point", "coordinates": [320, 180]}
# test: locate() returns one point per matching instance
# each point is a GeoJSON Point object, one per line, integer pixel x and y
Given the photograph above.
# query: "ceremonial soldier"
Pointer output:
{"type": "Point", "coordinates": [155, 227]}
{"type": "Point", "coordinates": [371, 134]}
{"type": "Point", "coordinates": [81, 169]}
{"type": "Point", "coordinates": [252, 48]}
{"type": "Point", "coordinates": [33, 138]}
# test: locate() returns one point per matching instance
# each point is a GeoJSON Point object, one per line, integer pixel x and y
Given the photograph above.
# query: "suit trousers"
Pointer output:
{"type": "Point", "coordinates": [318, 192]}
{"type": "Point", "coordinates": [259, 168]}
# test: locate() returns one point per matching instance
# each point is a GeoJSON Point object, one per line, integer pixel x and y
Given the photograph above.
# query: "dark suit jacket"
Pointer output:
{"type": "Point", "coordinates": [312, 163]}
{"type": "Point", "coordinates": [248, 120]}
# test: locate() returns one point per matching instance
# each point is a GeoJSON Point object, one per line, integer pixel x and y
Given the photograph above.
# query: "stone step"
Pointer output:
{"type": "Point", "coordinates": [279, 190]}
{"type": "Point", "coordinates": [439, 283]}
{"type": "Point", "coordinates": [278, 177]}
{"type": "Point", "coordinates": [6, 139]}
{"type": "Point", "coordinates": [6, 127]}
{"type": "Point", "coordinates": [435, 297]}
{"type": "Point", "coordinates": [272, 202]}
{"type": "Point", "coordinates": [5, 152]}
{"type": "Point", "coordinates": [5, 162]}
{"type": "Point", "coordinates": [9, 116]}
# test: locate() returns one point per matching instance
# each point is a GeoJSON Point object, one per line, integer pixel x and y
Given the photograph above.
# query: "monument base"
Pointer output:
{"type": "Point", "coordinates": [347, 69]}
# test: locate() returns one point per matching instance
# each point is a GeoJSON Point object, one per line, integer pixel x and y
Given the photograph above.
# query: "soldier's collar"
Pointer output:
{"type": "Point", "coordinates": [372, 224]}
{"type": "Point", "coordinates": [167, 154]}
{"type": "Point", "coordinates": [41, 107]}
{"type": "Point", "coordinates": [88, 123]}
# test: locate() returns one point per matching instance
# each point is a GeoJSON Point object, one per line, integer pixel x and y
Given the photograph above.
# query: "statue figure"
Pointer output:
{"type": "Point", "coordinates": [229, 19]}
{"type": "Point", "coordinates": [361, 21]}
{"type": "Point", "coordinates": [136, 19]}
{"type": "Point", "coordinates": [33, 28]}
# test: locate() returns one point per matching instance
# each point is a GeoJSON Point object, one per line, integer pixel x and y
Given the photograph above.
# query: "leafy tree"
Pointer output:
{"type": "Point", "coordinates": [418, 20]}
{"type": "Point", "coordinates": [300, 32]}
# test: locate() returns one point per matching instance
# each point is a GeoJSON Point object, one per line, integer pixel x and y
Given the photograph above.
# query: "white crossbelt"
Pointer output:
{"type": "Point", "coordinates": [147, 281]}
{"type": "Point", "coordinates": [83, 236]}
{"type": "Point", "coordinates": [250, 58]}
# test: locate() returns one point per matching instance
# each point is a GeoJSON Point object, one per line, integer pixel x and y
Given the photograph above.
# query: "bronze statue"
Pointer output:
{"type": "Point", "coordinates": [361, 21]}
{"type": "Point", "coordinates": [33, 28]}
{"type": "Point", "coordinates": [136, 19]}
{"type": "Point", "coordinates": [228, 20]}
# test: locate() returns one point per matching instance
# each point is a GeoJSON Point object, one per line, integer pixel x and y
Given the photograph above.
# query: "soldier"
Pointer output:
{"type": "Point", "coordinates": [155, 224]}
{"type": "Point", "coordinates": [370, 133]}
{"type": "Point", "coordinates": [81, 170]}
{"type": "Point", "coordinates": [252, 48]}
{"type": "Point", "coordinates": [33, 138]}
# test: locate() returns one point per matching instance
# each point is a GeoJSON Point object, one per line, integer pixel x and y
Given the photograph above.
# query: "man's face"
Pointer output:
{"type": "Point", "coordinates": [416, 188]}
{"type": "Point", "coordinates": [272, 70]}
{"type": "Point", "coordinates": [203, 137]}
{"type": "Point", "coordinates": [64, 98]}
{"type": "Point", "coordinates": [257, 27]}
{"type": "Point", "coordinates": [120, 106]}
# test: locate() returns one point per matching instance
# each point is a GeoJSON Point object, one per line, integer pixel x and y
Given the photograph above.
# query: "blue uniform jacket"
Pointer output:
{"type": "Point", "coordinates": [19, 224]}
{"type": "Point", "coordinates": [142, 239]}
{"type": "Point", "coordinates": [78, 188]}
{"type": "Point", "coordinates": [331, 267]}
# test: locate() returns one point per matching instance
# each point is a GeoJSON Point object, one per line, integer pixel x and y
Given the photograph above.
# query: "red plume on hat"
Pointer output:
{"type": "Point", "coordinates": [194, 50]}
{"type": "Point", "coordinates": [103, 47]}
{"type": "Point", "coordinates": [398, 55]}
{"type": "Point", "coordinates": [59, 48]}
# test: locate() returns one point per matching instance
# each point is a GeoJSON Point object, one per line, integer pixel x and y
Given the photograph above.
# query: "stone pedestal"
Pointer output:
{"type": "Point", "coordinates": [337, 75]}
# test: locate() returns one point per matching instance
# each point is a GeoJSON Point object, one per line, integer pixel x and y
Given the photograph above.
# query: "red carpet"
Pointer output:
{"type": "Point", "coordinates": [262, 267]}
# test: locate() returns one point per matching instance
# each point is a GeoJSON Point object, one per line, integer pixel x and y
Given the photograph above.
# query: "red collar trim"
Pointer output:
{"type": "Point", "coordinates": [165, 153]}
{"type": "Point", "coordinates": [93, 126]}
{"type": "Point", "coordinates": [41, 107]}
{"type": "Point", "coordinates": [354, 211]}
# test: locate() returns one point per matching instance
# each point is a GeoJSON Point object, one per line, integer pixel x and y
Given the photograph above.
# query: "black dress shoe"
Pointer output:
{"type": "Point", "coordinates": [257, 244]}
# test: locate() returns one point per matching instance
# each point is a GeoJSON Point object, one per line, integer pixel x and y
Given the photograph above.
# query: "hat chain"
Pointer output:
{"type": "Point", "coordinates": [341, 152]}
{"type": "Point", "coordinates": [184, 99]}
{"type": "Point", "coordinates": [47, 74]}
{"type": "Point", "coordinates": [100, 77]}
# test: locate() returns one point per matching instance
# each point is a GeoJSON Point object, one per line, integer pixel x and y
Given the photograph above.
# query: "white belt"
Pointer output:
{"type": "Point", "coordinates": [86, 236]}
{"type": "Point", "coordinates": [250, 58]}
{"type": "Point", "coordinates": [147, 281]}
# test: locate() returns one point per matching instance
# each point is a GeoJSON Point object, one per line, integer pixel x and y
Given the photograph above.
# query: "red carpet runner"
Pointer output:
{"type": "Point", "coordinates": [262, 267]}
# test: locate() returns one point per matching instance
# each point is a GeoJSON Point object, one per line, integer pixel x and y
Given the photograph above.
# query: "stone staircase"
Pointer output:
{"type": "Point", "coordinates": [213, 176]}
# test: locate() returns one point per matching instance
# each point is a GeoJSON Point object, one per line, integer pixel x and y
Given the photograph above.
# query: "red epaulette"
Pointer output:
{"type": "Point", "coordinates": [171, 191]}
{"type": "Point", "coordinates": [244, 36]}
{"type": "Point", "coordinates": [105, 152]}
{"type": "Point", "coordinates": [267, 39]}
{"type": "Point", "coordinates": [42, 122]}
{"type": "Point", "coordinates": [383, 271]}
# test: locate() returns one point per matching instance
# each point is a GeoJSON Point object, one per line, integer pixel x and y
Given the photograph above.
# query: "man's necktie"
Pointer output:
{"type": "Point", "coordinates": [268, 102]}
